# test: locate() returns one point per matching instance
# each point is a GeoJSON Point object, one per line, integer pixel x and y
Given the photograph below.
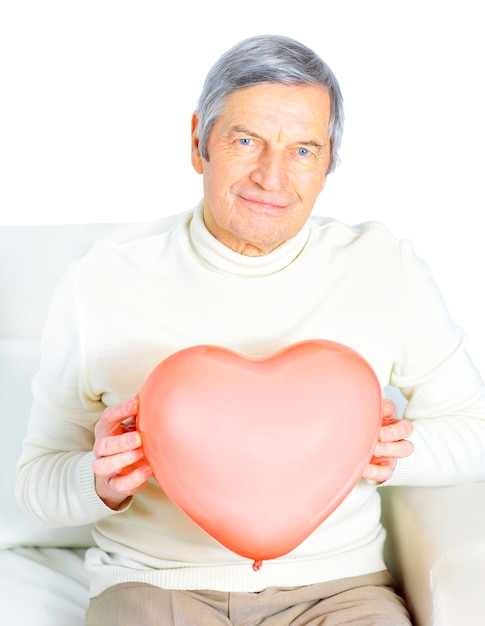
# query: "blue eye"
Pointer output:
{"type": "Point", "coordinates": [303, 152]}
{"type": "Point", "coordinates": [245, 141]}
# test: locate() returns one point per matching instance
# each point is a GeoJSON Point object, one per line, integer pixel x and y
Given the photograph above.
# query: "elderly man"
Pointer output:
{"type": "Point", "coordinates": [249, 269]}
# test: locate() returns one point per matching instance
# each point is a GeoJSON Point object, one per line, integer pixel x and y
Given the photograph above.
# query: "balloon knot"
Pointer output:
{"type": "Point", "coordinates": [257, 565]}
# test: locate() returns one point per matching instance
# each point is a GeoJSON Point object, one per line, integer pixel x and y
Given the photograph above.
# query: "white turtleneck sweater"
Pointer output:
{"type": "Point", "coordinates": [130, 303]}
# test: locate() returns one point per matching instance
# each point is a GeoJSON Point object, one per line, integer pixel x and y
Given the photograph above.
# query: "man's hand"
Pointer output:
{"type": "Point", "coordinates": [392, 444]}
{"type": "Point", "coordinates": [120, 468]}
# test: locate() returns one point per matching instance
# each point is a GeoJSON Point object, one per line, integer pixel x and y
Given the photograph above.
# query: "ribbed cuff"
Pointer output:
{"type": "Point", "coordinates": [97, 508]}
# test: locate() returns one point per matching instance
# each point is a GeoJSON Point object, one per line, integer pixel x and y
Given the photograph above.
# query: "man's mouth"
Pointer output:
{"type": "Point", "coordinates": [265, 202]}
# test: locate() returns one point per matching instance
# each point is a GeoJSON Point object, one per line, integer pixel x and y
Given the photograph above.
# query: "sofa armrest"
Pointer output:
{"type": "Point", "coordinates": [436, 551]}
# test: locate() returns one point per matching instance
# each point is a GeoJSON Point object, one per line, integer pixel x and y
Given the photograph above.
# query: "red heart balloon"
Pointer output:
{"type": "Point", "coordinates": [258, 451]}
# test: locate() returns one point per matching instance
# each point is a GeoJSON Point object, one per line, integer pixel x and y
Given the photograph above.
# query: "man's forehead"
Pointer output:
{"type": "Point", "coordinates": [277, 107]}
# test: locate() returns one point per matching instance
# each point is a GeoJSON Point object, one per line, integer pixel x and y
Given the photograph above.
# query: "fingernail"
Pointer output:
{"type": "Point", "coordinates": [135, 439]}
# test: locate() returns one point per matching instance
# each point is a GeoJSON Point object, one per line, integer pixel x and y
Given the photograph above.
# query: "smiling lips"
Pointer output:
{"type": "Point", "coordinates": [269, 203]}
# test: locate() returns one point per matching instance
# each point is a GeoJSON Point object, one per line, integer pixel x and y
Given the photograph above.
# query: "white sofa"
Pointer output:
{"type": "Point", "coordinates": [436, 545]}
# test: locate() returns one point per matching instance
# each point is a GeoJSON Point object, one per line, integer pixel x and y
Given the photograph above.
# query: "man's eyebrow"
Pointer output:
{"type": "Point", "coordinates": [313, 144]}
{"type": "Point", "coordinates": [238, 129]}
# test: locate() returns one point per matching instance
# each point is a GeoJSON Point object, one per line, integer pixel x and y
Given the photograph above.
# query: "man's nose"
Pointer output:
{"type": "Point", "coordinates": [271, 170]}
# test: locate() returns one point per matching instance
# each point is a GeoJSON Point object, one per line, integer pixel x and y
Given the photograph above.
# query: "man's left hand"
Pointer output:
{"type": "Point", "coordinates": [391, 446]}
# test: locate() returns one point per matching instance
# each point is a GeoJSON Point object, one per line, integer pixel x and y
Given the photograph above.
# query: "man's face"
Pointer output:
{"type": "Point", "coordinates": [269, 153]}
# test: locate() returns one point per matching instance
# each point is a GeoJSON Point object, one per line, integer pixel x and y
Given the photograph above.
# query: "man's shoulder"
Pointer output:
{"type": "Point", "coordinates": [132, 233]}
{"type": "Point", "coordinates": [344, 233]}
{"type": "Point", "coordinates": [137, 235]}
{"type": "Point", "coordinates": [132, 247]}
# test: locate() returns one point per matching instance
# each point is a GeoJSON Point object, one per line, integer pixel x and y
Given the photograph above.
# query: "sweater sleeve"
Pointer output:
{"type": "Point", "coordinates": [444, 390]}
{"type": "Point", "coordinates": [55, 480]}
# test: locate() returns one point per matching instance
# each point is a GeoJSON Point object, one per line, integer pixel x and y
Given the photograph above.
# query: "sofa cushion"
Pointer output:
{"type": "Point", "coordinates": [19, 359]}
{"type": "Point", "coordinates": [43, 586]}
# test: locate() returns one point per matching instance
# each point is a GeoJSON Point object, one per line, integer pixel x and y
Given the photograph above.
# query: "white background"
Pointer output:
{"type": "Point", "coordinates": [96, 99]}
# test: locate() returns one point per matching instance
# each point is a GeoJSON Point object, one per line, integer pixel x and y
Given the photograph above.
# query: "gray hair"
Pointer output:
{"type": "Point", "coordinates": [267, 59]}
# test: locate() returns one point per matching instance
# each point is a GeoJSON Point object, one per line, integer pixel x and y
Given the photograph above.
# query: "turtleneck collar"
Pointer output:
{"type": "Point", "coordinates": [217, 257]}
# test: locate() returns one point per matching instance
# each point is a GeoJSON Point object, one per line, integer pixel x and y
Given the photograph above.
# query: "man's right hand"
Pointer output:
{"type": "Point", "coordinates": [120, 468]}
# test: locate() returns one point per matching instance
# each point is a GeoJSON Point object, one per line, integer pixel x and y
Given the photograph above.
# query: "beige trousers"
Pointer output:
{"type": "Point", "coordinates": [364, 600]}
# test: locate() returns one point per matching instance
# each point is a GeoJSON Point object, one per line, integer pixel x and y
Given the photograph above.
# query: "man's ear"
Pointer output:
{"type": "Point", "coordinates": [196, 156]}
